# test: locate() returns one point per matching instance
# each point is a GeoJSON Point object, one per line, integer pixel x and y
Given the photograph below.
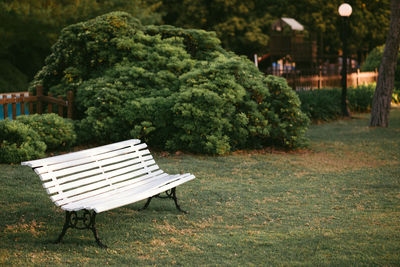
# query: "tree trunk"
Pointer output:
{"type": "Point", "coordinates": [384, 86]}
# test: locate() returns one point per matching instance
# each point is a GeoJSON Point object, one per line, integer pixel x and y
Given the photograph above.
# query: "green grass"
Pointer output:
{"type": "Point", "coordinates": [337, 203]}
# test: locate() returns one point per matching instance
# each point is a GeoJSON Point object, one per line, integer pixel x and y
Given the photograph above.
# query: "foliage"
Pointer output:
{"type": "Point", "coordinates": [360, 98]}
{"type": "Point", "coordinates": [396, 97]}
{"type": "Point", "coordinates": [19, 142]}
{"type": "Point", "coordinates": [28, 28]}
{"type": "Point", "coordinates": [325, 104]}
{"type": "Point", "coordinates": [175, 88]}
{"type": "Point", "coordinates": [244, 26]}
{"type": "Point", "coordinates": [56, 132]}
{"type": "Point", "coordinates": [11, 78]}
{"type": "Point", "coordinates": [321, 104]}
{"type": "Point", "coordinates": [287, 119]}
{"type": "Point", "coordinates": [373, 62]}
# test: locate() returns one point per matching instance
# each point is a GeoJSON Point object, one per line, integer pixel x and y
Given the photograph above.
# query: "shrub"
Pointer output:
{"type": "Point", "coordinates": [174, 88]}
{"type": "Point", "coordinates": [287, 119]}
{"type": "Point", "coordinates": [325, 104]}
{"type": "Point", "coordinates": [321, 105]}
{"type": "Point", "coordinates": [56, 132]}
{"type": "Point", "coordinates": [360, 98]}
{"type": "Point", "coordinates": [19, 142]}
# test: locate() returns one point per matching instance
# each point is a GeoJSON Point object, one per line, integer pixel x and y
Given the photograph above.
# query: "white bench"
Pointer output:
{"type": "Point", "coordinates": [103, 178]}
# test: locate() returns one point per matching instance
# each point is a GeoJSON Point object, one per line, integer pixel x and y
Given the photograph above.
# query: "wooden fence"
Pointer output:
{"type": "Point", "coordinates": [37, 104]}
{"type": "Point", "coordinates": [334, 81]}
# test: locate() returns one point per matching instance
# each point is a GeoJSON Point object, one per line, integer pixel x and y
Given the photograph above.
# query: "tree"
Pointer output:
{"type": "Point", "coordinates": [384, 87]}
{"type": "Point", "coordinates": [244, 26]}
{"type": "Point", "coordinates": [28, 28]}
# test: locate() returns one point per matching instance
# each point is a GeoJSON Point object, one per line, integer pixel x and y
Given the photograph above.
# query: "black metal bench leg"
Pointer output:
{"type": "Point", "coordinates": [146, 205]}
{"type": "Point", "coordinates": [65, 227]}
{"type": "Point", "coordinates": [170, 194]}
{"type": "Point", "coordinates": [94, 230]}
{"type": "Point", "coordinates": [173, 195]}
{"type": "Point", "coordinates": [86, 221]}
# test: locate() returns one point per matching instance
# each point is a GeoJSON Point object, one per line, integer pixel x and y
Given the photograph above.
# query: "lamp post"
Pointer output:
{"type": "Point", "coordinates": [345, 12]}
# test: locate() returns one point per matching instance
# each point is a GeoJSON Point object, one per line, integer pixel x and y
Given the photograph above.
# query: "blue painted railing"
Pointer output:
{"type": "Point", "coordinates": [9, 106]}
{"type": "Point", "coordinates": [15, 104]}
{"type": "Point", "coordinates": [10, 109]}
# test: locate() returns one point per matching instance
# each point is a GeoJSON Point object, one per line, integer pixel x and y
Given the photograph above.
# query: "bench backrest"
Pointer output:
{"type": "Point", "coordinates": [87, 173]}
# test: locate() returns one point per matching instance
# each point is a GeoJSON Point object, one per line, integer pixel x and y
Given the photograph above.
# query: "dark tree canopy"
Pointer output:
{"type": "Point", "coordinates": [28, 28]}
{"type": "Point", "coordinates": [244, 25]}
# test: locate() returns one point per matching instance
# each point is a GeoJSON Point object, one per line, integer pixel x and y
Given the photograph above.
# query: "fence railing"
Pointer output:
{"type": "Point", "coordinates": [308, 82]}
{"type": "Point", "coordinates": [30, 104]}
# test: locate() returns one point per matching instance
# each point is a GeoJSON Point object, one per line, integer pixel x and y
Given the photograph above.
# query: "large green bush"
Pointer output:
{"type": "Point", "coordinates": [56, 132]}
{"type": "Point", "coordinates": [175, 88]}
{"type": "Point", "coordinates": [19, 142]}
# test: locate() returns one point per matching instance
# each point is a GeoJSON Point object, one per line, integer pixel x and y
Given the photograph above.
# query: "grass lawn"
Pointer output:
{"type": "Point", "coordinates": [337, 203]}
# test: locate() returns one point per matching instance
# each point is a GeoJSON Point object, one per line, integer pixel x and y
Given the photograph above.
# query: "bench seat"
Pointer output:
{"type": "Point", "coordinates": [129, 194]}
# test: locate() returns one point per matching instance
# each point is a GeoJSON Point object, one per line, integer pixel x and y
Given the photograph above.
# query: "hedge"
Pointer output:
{"type": "Point", "coordinates": [325, 104]}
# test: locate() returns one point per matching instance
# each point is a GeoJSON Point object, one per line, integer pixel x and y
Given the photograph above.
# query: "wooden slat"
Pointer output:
{"type": "Point", "coordinates": [82, 164]}
{"type": "Point", "coordinates": [22, 105]}
{"type": "Point", "coordinates": [30, 103]}
{"type": "Point", "coordinates": [50, 105]}
{"type": "Point", "coordinates": [9, 100]}
{"type": "Point", "coordinates": [103, 191]}
{"type": "Point", "coordinates": [114, 177]}
{"type": "Point", "coordinates": [84, 186]}
{"type": "Point", "coordinates": [14, 107]}
{"type": "Point", "coordinates": [91, 171]}
{"type": "Point", "coordinates": [144, 193]}
{"type": "Point", "coordinates": [39, 93]}
{"type": "Point", "coordinates": [84, 153]}
{"type": "Point", "coordinates": [128, 179]}
{"type": "Point", "coordinates": [93, 187]}
{"type": "Point", "coordinates": [32, 98]}
{"type": "Point", "coordinates": [5, 107]}
{"type": "Point", "coordinates": [101, 176]}
{"type": "Point", "coordinates": [60, 106]}
{"type": "Point", "coordinates": [88, 163]}
{"type": "Point", "coordinates": [133, 189]}
{"type": "Point", "coordinates": [50, 99]}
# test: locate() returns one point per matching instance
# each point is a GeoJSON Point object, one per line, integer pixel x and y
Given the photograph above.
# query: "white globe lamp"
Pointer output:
{"type": "Point", "coordinates": [345, 10]}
